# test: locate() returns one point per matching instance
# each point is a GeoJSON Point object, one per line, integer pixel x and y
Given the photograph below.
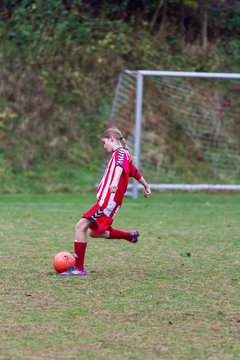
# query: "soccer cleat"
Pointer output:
{"type": "Point", "coordinates": [73, 271]}
{"type": "Point", "coordinates": [134, 237]}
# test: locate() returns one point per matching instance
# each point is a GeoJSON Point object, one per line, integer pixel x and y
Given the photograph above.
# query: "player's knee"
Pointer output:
{"type": "Point", "coordinates": [82, 225]}
{"type": "Point", "coordinates": [92, 233]}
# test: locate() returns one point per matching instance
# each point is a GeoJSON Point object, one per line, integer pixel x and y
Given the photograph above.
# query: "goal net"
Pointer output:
{"type": "Point", "coordinates": [183, 128]}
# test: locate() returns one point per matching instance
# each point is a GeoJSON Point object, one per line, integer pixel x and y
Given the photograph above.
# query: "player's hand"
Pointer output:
{"type": "Point", "coordinates": [147, 191]}
{"type": "Point", "coordinates": [113, 188]}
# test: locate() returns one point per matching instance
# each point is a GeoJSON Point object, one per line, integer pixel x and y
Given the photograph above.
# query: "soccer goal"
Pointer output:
{"type": "Point", "coordinates": [183, 128]}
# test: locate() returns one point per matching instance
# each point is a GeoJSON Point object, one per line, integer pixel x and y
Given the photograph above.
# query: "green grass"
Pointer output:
{"type": "Point", "coordinates": [55, 178]}
{"type": "Point", "coordinates": [174, 295]}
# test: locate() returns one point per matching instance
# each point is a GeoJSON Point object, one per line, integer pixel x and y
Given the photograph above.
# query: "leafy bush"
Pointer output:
{"type": "Point", "coordinates": [59, 66]}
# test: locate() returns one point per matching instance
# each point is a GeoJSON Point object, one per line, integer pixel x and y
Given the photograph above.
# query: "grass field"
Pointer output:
{"type": "Point", "coordinates": [174, 295]}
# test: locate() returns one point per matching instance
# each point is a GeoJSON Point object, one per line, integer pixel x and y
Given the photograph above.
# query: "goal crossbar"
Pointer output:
{"type": "Point", "coordinates": [184, 74]}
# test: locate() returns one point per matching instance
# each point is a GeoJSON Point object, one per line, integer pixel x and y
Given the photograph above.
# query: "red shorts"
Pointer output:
{"type": "Point", "coordinates": [101, 219]}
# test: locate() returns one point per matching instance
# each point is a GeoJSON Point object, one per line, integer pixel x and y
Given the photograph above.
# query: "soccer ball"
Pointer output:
{"type": "Point", "coordinates": [63, 261]}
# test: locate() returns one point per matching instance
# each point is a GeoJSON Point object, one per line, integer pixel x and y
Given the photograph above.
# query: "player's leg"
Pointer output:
{"type": "Point", "coordinates": [112, 233]}
{"type": "Point", "coordinates": [131, 236]}
{"type": "Point", "coordinates": [80, 245]}
{"type": "Point", "coordinates": [103, 235]}
{"type": "Point", "coordinates": [81, 230]}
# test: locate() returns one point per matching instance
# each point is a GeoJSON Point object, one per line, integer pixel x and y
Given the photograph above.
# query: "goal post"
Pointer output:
{"type": "Point", "coordinates": [138, 127]}
{"type": "Point", "coordinates": [182, 127]}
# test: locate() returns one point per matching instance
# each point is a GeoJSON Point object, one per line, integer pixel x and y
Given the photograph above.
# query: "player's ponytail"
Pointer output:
{"type": "Point", "coordinates": [124, 143]}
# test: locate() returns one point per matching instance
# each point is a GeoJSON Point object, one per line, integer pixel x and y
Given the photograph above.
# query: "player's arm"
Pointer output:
{"type": "Point", "coordinates": [146, 187]}
{"type": "Point", "coordinates": [135, 173]}
{"type": "Point", "coordinates": [115, 180]}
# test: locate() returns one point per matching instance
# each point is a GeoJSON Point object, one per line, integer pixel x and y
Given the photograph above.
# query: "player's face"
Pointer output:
{"type": "Point", "coordinates": [108, 144]}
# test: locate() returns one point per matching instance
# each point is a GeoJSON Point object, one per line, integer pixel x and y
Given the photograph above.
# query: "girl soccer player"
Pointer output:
{"type": "Point", "coordinates": [110, 192]}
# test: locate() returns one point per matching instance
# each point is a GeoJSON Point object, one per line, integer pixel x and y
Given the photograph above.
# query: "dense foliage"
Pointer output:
{"type": "Point", "coordinates": [60, 61]}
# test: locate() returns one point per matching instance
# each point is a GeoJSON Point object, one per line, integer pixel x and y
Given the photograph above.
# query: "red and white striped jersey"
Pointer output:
{"type": "Point", "coordinates": [120, 157]}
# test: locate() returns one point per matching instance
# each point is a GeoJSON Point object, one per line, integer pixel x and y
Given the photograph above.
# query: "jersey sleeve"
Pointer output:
{"type": "Point", "coordinates": [122, 159]}
{"type": "Point", "coordinates": [134, 172]}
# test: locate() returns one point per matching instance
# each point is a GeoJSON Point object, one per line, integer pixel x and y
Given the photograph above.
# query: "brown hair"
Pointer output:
{"type": "Point", "coordinates": [116, 133]}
